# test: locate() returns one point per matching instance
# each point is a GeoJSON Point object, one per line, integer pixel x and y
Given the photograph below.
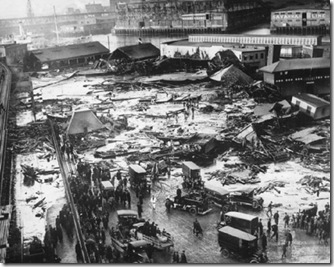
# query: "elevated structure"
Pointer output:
{"type": "Point", "coordinates": [256, 39]}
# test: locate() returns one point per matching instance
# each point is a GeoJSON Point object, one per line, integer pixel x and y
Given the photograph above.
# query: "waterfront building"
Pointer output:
{"type": "Point", "coordinates": [300, 20]}
{"type": "Point", "coordinates": [290, 77]}
{"type": "Point", "coordinates": [66, 56]}
{"type": "Point", "coordinates": [187, 16]}
{"type": "Point", "coordinates": [253, 56]}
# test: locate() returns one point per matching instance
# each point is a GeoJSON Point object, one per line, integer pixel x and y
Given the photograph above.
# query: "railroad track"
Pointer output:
{"type": "Point", "coordinates": [5, 181]}
{"type": "Point", "coordinates": [65, 172]}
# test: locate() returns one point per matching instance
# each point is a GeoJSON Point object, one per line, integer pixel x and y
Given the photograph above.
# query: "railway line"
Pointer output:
{"type": "Point", "coordinates": [65, 171]}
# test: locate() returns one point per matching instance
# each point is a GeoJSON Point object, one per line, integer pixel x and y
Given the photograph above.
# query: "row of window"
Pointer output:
{"type": "Point", "coordinates": [251, 57]}
{"type": "Point", "coordinates": [300, 79]}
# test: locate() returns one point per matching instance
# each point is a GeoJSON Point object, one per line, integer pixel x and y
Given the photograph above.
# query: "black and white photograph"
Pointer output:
{"type": "Point", "coordinates": [165, 131]}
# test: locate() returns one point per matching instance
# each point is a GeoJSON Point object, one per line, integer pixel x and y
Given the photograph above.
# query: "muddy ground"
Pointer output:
{"type": "Point", "coordinates": [205, 249]}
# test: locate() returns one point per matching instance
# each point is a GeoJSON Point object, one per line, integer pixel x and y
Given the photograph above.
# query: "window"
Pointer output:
{"type": "Point", "coordinates": [250, 57]}
{"type": "Point", "coordinates": [256, 56]}
{"type": "Point", "coordinates": [323, 111]}
{"type": "Point", "coordinates": [262, 55]}
{"type": "Point", "coordinates": [308, 110]}
{"type": "Point", "coordinates": [245, 58]}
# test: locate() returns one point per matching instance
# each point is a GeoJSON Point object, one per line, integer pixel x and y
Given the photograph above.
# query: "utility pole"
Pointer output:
{"type": "Point", "coordinates": [57, 33]}
{"type": "Point", "coordinates": [30, 14]}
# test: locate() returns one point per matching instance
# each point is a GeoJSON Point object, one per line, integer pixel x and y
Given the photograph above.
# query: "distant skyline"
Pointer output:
{"type": "Point", "coordinates": [18, 8]}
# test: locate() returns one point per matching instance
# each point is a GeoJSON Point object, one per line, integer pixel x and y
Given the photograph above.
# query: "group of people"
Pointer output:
{"type": "Point", "coordinates": [179, 258]}
{"type": "Point", "coordinates": [152, 229]}
{"type": "Point", "coordinates": [314, 222]}
{"type": "Point", "coordinates": [67, 149]}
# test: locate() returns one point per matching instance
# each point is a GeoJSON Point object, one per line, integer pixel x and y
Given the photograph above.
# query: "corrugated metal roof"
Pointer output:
{"type": "Point", "coordinates": [136, 52]}
{"type": "Point", "coordinates": [237, 233]}
{"type": "Point", "coordinates": [70, 51]}
{"type": "Point", "coordinates": [297, 64]}
{"type": "Point", "coordinates": [312, 100]}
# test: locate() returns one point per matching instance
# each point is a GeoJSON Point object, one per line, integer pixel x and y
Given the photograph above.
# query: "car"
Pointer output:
{"type": "Point", "coordinates": [136, 252]}
{"type": "Point", "coordinates": [219, 196]}
{"type": "Point", "coordinates": [239, 244]}
{"type": "Point", "coordinates": [193, 202]}
{"type": "Point", "coordinates": [161, 241]}
{"type": "Point", "coordinates": [241, 221]}
{"type": "Point", "coordinates": [246, 197]}
{"type": "Point", "coordinates": [127, 218]}
{"type": "Point", "coordinates": [192, 176]}
{"type": "Point", "coordinates": [138, 176]}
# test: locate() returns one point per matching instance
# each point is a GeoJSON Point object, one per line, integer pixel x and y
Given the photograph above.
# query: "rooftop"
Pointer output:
{"type": "Point", "coordinates": [297, 64]}
{"type": "Point", "coordinates": [312, 100]}
{"type": "Point", "coordinates": [136, 52]}
{"type": "Point", "coordinates": [70, 51]}
{"type": "Point", "coordinates": [248, 48]}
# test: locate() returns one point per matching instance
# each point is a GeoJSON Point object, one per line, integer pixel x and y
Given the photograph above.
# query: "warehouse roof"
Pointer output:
{"type": "Point", "coordinates": [70, 51]}
{"type": "Point", "coordinates": [312, 100]}
{"type": "Point", "coordinates": [136, 52]}
{"type": "Point", "coordinates": [297, 64]}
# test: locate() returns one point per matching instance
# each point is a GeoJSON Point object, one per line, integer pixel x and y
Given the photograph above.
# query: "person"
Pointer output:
{"type": "Point", "coordinates": [139, 209]}
{"type": "Point", "coordinates": [197, 228]}
{"type": "Point", "coordinates": [289, 238]}
{"type": "Point", "coordinates": [269, 226]}
{"type": "Point", "coordinates": [260, 227]}
{"type": "Point", "coordinates": [193, 112]}
{"type": "Point", "coordinates": [178, 193]}
{"type": "Point", "coordinates": [119, 175]}
{"type": "Point", "coordinates": [276, 217]}
{"type": "Point", "coordinates": [2, 108]}
{"type": "Point", "coordinates": [140, 41]}
{"type": "Point", "coordinates": [275, 231]}
{"type": "Point", "coordinates": [284, 250]}
{"type": "Point", "coordinates": [128, 198]}
{"type": "Point", "coordinates": [149, 251]}
{"type": "Point", "coordinates": [286, 220]}
{"type": "Point", "coordinates": [183, 257]}
{"type": "Point", "coordinates": [176, 258]}
{"type": "Point", "coordinates": [264, 241]}
{"type": "Point", "coordinates": [168, 205]}
{"type": "Point", "coordinates": [270, 206]}
{"type": "Point", "coordinates": [78, 252]}
{"type": "Point", "coordinates": [153, 201]}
